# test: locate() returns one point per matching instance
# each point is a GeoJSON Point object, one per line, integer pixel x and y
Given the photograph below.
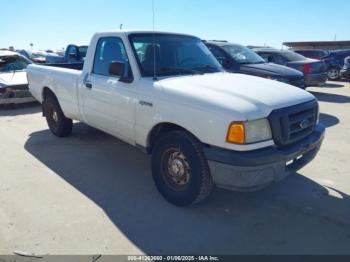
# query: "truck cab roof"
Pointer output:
{"type": "Point", "coordinates": [135, 31]}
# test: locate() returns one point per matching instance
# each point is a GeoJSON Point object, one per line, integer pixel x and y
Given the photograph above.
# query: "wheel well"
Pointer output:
{"type": "Point", "coordinates": [161, 129]}
{"type": "Point", "coordinates": [48, 93]}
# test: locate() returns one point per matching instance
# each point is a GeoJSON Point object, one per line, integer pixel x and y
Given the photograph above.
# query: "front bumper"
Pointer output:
{"type": "Point", "coordinates": [15, 95]}
{"type": "Point", "coordinates": [253, 170]}
{"type": "Point", "coordinates": [315, 79]}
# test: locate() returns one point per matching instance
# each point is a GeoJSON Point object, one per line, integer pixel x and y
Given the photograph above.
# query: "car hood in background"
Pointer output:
{"type": "Point", "coordinates": [240, 95]}
{"type": "Point", "coordinates": [14, 78]}
{"type": "Point", "coordinates": [271, 69]}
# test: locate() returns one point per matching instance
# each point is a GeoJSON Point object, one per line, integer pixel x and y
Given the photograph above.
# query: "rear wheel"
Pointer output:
{"type": "Point", "coordinates": [333, 73]}
{"type": "Point", "coordinates": [59, 125]}
{"type": "Point", "coordinates": [180, 169]}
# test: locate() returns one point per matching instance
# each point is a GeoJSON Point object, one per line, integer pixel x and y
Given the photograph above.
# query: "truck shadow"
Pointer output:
{"type": "Point", "coordinates": [294, 216]}
{"type": "Point", "coordinates": [333, 85]}
{"type": "Point", "coordinates": [331, 98]}
{"type": "Point", "coordinates": [328, 120]}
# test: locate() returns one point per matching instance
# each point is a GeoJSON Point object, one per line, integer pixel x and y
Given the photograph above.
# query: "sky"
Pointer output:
{"type": "Point", "coordinates": [54, 24]}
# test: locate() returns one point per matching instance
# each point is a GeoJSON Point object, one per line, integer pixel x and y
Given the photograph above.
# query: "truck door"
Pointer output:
{"type": "Point", "coordinates": [109, 104]}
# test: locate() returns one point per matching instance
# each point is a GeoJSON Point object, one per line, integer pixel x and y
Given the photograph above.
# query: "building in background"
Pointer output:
{"type": "Point", "coordinates": [325, 45]}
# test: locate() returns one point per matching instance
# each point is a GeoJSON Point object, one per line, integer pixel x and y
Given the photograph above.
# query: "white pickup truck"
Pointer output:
{"type": "Point", "coordinates": [167, 95]}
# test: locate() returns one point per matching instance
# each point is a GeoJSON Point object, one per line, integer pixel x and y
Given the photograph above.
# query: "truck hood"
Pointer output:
{"type": "Point", "coordinates": [14, 78]}
{"type": "Point", "coordinates": [242, 96]}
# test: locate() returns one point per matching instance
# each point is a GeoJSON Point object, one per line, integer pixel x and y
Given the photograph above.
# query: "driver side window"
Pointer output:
{"type": "Point", "coordinates": [108, 50]}
{"type": "Point", "coordinates": [268, 57]}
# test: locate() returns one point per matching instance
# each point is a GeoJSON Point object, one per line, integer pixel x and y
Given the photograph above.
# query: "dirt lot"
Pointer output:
{"type": "Point", "coordinates": [92, 194]}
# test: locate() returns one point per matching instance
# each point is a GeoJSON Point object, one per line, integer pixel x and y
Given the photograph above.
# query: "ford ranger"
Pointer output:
{"type": "Point", "coordinates": [166, 94]}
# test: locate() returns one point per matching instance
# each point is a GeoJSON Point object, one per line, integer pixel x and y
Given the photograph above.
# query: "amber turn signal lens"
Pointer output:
{"type": "Point", "coordinates": [236, 133]}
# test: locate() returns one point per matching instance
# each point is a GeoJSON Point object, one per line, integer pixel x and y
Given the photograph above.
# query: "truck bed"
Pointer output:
{"type": "Point", "coordinates": [76, 66]}
{"type": "Point", "coordinates": [62, 81]}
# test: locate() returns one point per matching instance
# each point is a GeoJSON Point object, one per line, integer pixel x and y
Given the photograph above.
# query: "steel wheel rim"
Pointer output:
{"type": "Point", "coordinates": [55, 116]}
{"type": "Point", "coordinates": [53, 119]}
{"type": "Point", "coordinates": [176, 169]}
{"type": "Point", "coordinates": [333, 74]}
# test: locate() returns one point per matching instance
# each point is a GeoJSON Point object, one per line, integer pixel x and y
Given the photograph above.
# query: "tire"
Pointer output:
{"type": "Point", "coordinates": [59, 125]}
{"type": "Point", "coordinates": [333, 73]}
{"type": "Point", "coordinates": [180, 169]}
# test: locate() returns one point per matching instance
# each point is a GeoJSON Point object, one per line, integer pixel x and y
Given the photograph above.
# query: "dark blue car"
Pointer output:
{"type": "Point", "coordinates": [240, 59]}
{"type": "Point", "coordinates": [335, 63]}
{"type": "Point", "coordinates": [315, 71]}
{"type": "Point", "coordinates": [345, 72]}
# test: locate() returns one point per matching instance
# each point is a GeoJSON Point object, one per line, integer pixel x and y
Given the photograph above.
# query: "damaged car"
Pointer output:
{"type": "Point", "coordinates": [13, 79]}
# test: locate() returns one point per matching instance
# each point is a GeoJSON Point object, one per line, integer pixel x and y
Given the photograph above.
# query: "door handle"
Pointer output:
{"type": "Point", "coordinates": [88, 85]}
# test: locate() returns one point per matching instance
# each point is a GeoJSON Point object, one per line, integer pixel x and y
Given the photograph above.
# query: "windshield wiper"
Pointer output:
{"type": "Point", "coordinates": [252, 63]}
{"type": "Point", "coordinates": [207, 67]}
{"type": "Point", "coordinates": [180, 70]}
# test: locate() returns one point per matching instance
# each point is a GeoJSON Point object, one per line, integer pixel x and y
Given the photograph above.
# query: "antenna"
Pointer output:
{"type": "Point", "coordinates": [154, 42]}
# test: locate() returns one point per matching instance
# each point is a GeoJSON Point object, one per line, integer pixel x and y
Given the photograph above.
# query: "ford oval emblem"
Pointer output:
{"type": "Point", "coordinates": [305, 123]}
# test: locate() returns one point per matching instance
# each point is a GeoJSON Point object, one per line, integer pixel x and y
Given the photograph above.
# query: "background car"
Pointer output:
{"type": "Point", "coordinates": [313, 53]}
{"type": "Point", "coordinates": [335, 62]}
{"type": "Point", "coordinates": [73, 54]}
{"type": "Point", "coordinates": [240, 59]}
{"type": "Point", "coordinates": [13, 78]}
{"type": "Point", "coordinates": [315, 71]}
{"type": "Point", "coordinates": [345, 72]}
{"type": "Point", "coordinates": [35, 56]}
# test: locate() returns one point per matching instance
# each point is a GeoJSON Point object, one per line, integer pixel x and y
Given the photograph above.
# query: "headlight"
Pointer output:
{"type": "Point", "coordinates": [249, 132]}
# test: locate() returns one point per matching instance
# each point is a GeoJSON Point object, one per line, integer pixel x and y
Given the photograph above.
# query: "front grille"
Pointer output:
{"type": "Point", "coordinates": [17, 91]}
{"type": "Point", "coordinates": [292, 124]}
{"type": "Point", "coordinates": [297, 81]}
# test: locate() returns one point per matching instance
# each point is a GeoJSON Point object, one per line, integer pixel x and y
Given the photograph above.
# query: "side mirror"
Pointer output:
{"type": "Point", "coordinates": [119, 69]}
{"type": "Point", "coordinates": [116, 68]}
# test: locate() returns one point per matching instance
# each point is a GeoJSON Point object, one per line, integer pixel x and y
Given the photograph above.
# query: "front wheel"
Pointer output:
{"type": "Point", "coordinates": [59, 125]}
{"type": "Point", "coordinates": [180, 169]}
{"type": "Point", "coordinates": [333, 73]}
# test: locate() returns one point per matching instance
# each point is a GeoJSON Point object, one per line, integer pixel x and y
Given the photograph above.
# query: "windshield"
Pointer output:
{"type": "Point", "coordinates": [292, 56]}
{"type": "Point", "coordinates": [83, 50]}
{"type": "Point", "coordinates": [173, 54]}
{"type": "Point", "coordinates": [13, 63]}
{"type": "Point", "coordinates": [243, 55]}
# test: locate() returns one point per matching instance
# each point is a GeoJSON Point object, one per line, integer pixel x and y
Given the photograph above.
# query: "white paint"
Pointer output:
{"type": "Point", "coordinates": [205, 105]}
